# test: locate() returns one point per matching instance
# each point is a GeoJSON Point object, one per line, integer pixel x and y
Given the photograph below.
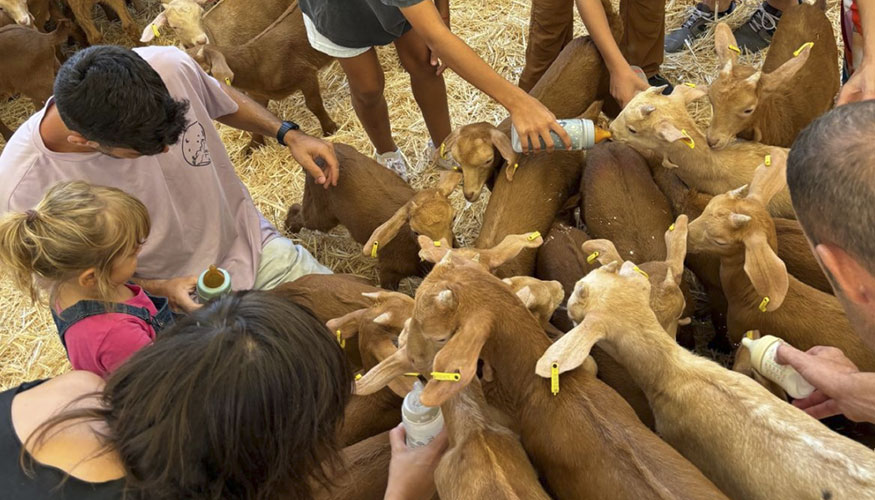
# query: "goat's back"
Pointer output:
{"type": "Point", "coordinates": [576, 79]}
{"type": "Point", "coordinates": [232, 22]}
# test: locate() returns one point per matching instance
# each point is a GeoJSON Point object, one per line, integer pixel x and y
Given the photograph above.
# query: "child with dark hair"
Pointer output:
{"type": "Point", "coordinates": [240, 400]}
{"type": "Point", "coordinates": [80, 245]}
{"type": "Point", "coordinates": [141, 121]}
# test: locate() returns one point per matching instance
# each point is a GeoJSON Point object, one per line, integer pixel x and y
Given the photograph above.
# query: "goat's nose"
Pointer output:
{"type": "Point", "coordinates": [25, 20]}
{"type": "Point", "coordinates": [713, 141]}
{"type": "Point", "coordinates": [201, 40]}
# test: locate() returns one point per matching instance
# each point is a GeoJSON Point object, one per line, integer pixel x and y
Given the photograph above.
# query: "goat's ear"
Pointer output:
{"type": "Point", "coordinates": [687, 94]}
{"type": "Point", "coordinates": [509, 248]}
{"type": "Point", "coordinates": [347, 325]}
{"type": "Point", "coordinates": [156, 24]}
{"type": "Point", "coordinates": [607, 252]}
{"type": "Point", "coordinates": [219, 65]}
{"type": "Point", "coordinates": [766, 270]}
{"type": "Point", "coordinates": [593, 111]}
{"type": "Point", "coordinates": [382, 348]}
{"type": "Point", "coordinates": [669, 133]}
{"type": "Point", "coordinates": [676, 246]}
{"type": "Point", "coordinates": [572, 349]}
{"type": "Point", "coordinates": [460, 356]}
{"type": "Point", "coordinates": [781, 77]}
{"type": "Point", "coordinates": [447, 146]}
{"type": "Point", "coordinates": [769, 180]}
{"type": "Point", "coordinates": [432, 251]}
{"type": "Point", "coordinates": [396, 365]}
{"type": "Point", "coordinates": [526, 296]}
{"type": "Point", "coordinates": [387, 230]}
{"type": "Point", "coordinates": [446, 299]}
{"type": "Point", "coordinates": [448, 182]}
{"type": "Point", "coordinates": [723, 40]}
{"type": "Point", "coordinates": [502, 144]}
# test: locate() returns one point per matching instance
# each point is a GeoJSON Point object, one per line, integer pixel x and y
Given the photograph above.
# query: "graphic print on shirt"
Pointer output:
{"type": "Point", "coordinates": [194, 146]}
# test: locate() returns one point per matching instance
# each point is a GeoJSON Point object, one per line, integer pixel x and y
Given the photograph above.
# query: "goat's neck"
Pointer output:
{"type": "Point", "coordinates": [643, 347]}
{"type": "Point", "coordinates": [697, 165]}
{"type": "Point", "coordinates": [736, 284]}
{"type": "Point", "coordinates": [463, 415]}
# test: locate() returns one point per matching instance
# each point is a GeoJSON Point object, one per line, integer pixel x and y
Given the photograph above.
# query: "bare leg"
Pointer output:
{"type": "Point", "coordinates": [366, 82]}
{"type": "Point", "coordinates": [429, 89]}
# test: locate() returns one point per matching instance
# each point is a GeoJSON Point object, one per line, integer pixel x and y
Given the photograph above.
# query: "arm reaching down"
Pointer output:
{"type": "Point", "coordinates": [861, 85]}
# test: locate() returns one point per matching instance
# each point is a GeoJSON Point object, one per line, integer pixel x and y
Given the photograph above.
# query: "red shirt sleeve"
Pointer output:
{"type": "Point", "coordinates": [122, 340]}
{"type": "Point", "coordinates": [101, 343]}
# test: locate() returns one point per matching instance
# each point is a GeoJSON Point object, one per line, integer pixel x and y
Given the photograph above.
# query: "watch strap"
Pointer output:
{"type": "Point", "coordinates": [284, 128]}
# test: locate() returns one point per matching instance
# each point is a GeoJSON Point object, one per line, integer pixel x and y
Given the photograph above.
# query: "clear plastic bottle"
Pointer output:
{"type": "Point", "coordinates": [212, 283]}
{"type": "Point", "coordinates": [762, 358]}
{"type": "Point", "coordinates": [421, 423]}
{"type": "Point", "coordinates": [584, 135]}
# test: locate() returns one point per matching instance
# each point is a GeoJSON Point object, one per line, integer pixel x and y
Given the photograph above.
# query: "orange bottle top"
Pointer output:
{"type": "Point", "coordinates": [213, 277]}
{"type": "Point", "coordinates": [601, 135]}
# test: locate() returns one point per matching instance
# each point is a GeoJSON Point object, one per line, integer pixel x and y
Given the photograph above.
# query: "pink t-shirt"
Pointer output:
{"type": "Point", "coordinates": [201, 212]}
{"type": "Point", "coordinates": [101, 343]}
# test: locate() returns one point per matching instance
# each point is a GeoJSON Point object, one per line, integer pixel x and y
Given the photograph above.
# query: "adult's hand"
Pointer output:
{"type": "Point", "coordinates": [533, 121]}
{"type": "Point", "coordinates": [625, 84]}
{"type": "Point", "coordinates": [840, 388]}
{"type": "Point", "coordinates": [860, 87]}
{"type": "Point", "coordinates": [411, 470]}
{"type": "Point", "coordinates": [177, 290]}
{"type": "Point", "coordinates": [306, 150]}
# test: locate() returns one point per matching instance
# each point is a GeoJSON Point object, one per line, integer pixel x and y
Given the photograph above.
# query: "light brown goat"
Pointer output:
{"type": "Point", "coordinates": [585, 440]}
{"type": "Point", "coordinates": [773, 104]}
{"type": "Point", "coordinates": [730, 427]}
{"type": "Point", "coordinates": [489, 258]}
{"type": "Point", "coordinates": [540, 297]}
{"type": "Point", "coordinates": [274, 64]}
{"type": "Point", "coordinates": [28, 64]}
{"type": "Point", "coordinates": [366, 196]}
{"type": "Point", "coordinates": [364, 474]}
{"type": "Point", "coordinates": [83, 13]}
{"type": "Point", "coordinates": [660, 124]}
{"type": "Point", "coordinates": [227, 22]}
{"type": "Point", "coordinates": [761, 294]}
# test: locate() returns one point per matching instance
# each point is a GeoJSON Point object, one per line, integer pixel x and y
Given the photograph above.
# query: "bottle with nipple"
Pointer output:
{"type": "Point", "coordinates": [762, 358]}
{"type": "Point", "coordinates": [212, 283]}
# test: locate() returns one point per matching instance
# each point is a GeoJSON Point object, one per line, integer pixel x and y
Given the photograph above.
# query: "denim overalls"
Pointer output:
{"type": "Point", "coordinates": [86, 308]}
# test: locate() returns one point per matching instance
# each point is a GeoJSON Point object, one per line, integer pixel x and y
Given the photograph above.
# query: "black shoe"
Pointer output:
{"type": "Point", "coordinates": [658, 80]}
{"type": "Point", "coordinates": [756, 34]}
{"type": "Point", "coordinates": [694, 27]}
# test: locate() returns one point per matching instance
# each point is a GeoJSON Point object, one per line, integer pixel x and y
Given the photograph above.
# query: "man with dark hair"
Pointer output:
{"type": "Point", "coordinates": [831, 174]}
{"type": "Point", "coordinates": [141, 120]}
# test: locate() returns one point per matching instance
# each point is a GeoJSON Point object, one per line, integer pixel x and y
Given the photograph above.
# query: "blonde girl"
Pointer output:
{"type": "Point", "coordinates": [78, 247]}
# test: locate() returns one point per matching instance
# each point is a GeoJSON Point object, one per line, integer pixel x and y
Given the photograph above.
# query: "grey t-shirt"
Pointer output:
{"type": "Point", "coordinates": [358, 23]}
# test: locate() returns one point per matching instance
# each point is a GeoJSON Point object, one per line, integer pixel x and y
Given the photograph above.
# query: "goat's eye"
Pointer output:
{"type": "Point", "coordinates": [631, 130]}
{"type": "Point", "coordinates": [721, 243]}
{"type": "Point", "coordinates": [748, 111]}
{"type": "Point", "coordinates": [441, 341]}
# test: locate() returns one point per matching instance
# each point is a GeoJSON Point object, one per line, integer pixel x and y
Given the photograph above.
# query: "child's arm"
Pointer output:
{"type": "Point", "coordinates": [125, 338]}
{"type": "Point", "coordinates": [624, 82]}
{"type": "Point", "coordinates": [861, 85]}
{"type": "Point", "coordinates": [530, 118]}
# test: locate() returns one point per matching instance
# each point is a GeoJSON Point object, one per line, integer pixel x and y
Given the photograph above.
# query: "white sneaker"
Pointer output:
{"type": "Point", "coordinates": [394, 161]}
{"type": "Point", "coordinates": [445, 162]}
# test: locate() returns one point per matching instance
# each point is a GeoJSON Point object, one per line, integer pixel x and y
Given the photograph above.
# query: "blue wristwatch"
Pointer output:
{"type": "Point", "coordinates": [284, 128]}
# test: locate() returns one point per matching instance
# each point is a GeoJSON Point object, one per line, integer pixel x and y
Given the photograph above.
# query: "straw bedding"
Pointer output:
{"type": "Point", "coordinates": [496, 29]}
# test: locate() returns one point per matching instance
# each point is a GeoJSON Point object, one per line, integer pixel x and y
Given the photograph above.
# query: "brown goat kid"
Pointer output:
{"type": "Point", "coordinates": [659, 124]}
{"type": "Point", "coordinates": [29, 64]}
{"type": "Point", "coordinates": [585, 440]}
{"type": "Point", "coordinates": [761, 294]}
{"type": "Point", "coordinates": [272, 65]}
{"type": "Point", "coordinates": [228, 22]}
{"type": "Point", "coordinates": [773, 104]}
{"type": "Point", "coordinates": [366, 196]}
{"type": "Point", "coordinates": [83, 13]}
{"type": "Point", "coordinates": [730, 427]}
{"type": "Point", "coordinates": [365, 471]}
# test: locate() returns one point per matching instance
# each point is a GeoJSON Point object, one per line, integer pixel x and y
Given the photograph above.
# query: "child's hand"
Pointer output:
{"type": "Point", "coordinates": [532, 120]}
{"type": "Point", "coordinates": [411, 471]}
{"type": "Point", "coordinates": [625, 85]}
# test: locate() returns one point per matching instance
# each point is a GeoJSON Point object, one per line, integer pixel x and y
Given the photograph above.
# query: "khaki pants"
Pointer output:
{"type": "Point", "coordinates": [551, 28]}
{"type": "Point", "coordinates": [283, 261]}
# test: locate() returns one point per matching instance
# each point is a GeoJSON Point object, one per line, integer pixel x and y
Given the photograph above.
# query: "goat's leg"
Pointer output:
{"type": "Point", "coordinates": [5, 131]}
{"type": "Point", "coordinates": [82, 14]}
{"type": "Point", "coordinates": [128, 23]}
{"type": "Point", "coordinates": [110, 14]}
{"type": "Point", "coordinates": [313, 100]}
{"type": "Point", "coordinates": [390, 278]}
{"type": "Point", "coordinates": [137, 5]}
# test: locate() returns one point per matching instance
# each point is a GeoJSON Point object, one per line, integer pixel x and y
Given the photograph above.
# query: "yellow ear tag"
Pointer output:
{"type": "Point", "coordinates": [358, 376]}
{"type": "Point", "coordinates": [341, 340]}
{"type": "Point", "coordinates": [554, 378]}
{"type": "Point", "coordinates": [800, 49]}
{"type": "Point", "coordinates": [443, 152]}
{"type": "Point", "coordinates": [749, 334]}
{"type": "Point", "coordinates": [411, 374]}
{"type": "Point", "coordinates": [456, 168]}
{"type": "Point", "coordinates": [534, 236]}
{"type": "Point", "coordinates": [227, 81]}
{"type": "Point", "coordinates": [155, 31]}
{"type": "Point", "coordinates": [515, 166]}
{"type": "Point", "coordinates": [592, 257]}
{"type": "Point", "coordinates": [671, 227]}
{"type": "Point", "coordinates": [768, 160]}
{"type": "Point", "coordinates": [687, 139]}
{"type": "Point", "coordinates": [446, 377]}
{"type": "Point", "coordinates": [735, 49]}
{"type": "Point", "coordinates": [691, 85]}
{"type": "Point", "coordinates": [437, 243]}
{"type": "Point", "coordinates": [640, 271]}
{"type": "Point", "coordinates": [374, 249]}
{"type": "Point", "coordinates": [764, 304]}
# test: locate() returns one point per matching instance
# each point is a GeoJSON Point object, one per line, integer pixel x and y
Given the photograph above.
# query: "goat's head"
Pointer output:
{"type": "Point", "coordinates": [428, 212]}
{"type": "Point", "coordinates": [736, 225]}
{"type": "Point", "coordinates": [473, 146]}
{"type": "Point", "coordinates": [738, 89]}
{"type": "Point", "coordinates": [601, 302]}
{"type": "Point", "coordinates": [17, 10]}
{"type": "Point", "coordinates": [491, 258]}
{"type": "Point", "coordinates": [185, 19]}
{"type": "Point", "coordinates": [652, 122]}
{"type": "Point", "coordinates": [742, 364]}
{"type": "Point", "coordinates": [542, 298]}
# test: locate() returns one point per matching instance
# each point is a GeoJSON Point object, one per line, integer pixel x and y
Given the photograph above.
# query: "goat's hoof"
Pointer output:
{"type": "Point", "coordinates": [294, 219]}
{"type": "Point", "coordinates": [329, 129]}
